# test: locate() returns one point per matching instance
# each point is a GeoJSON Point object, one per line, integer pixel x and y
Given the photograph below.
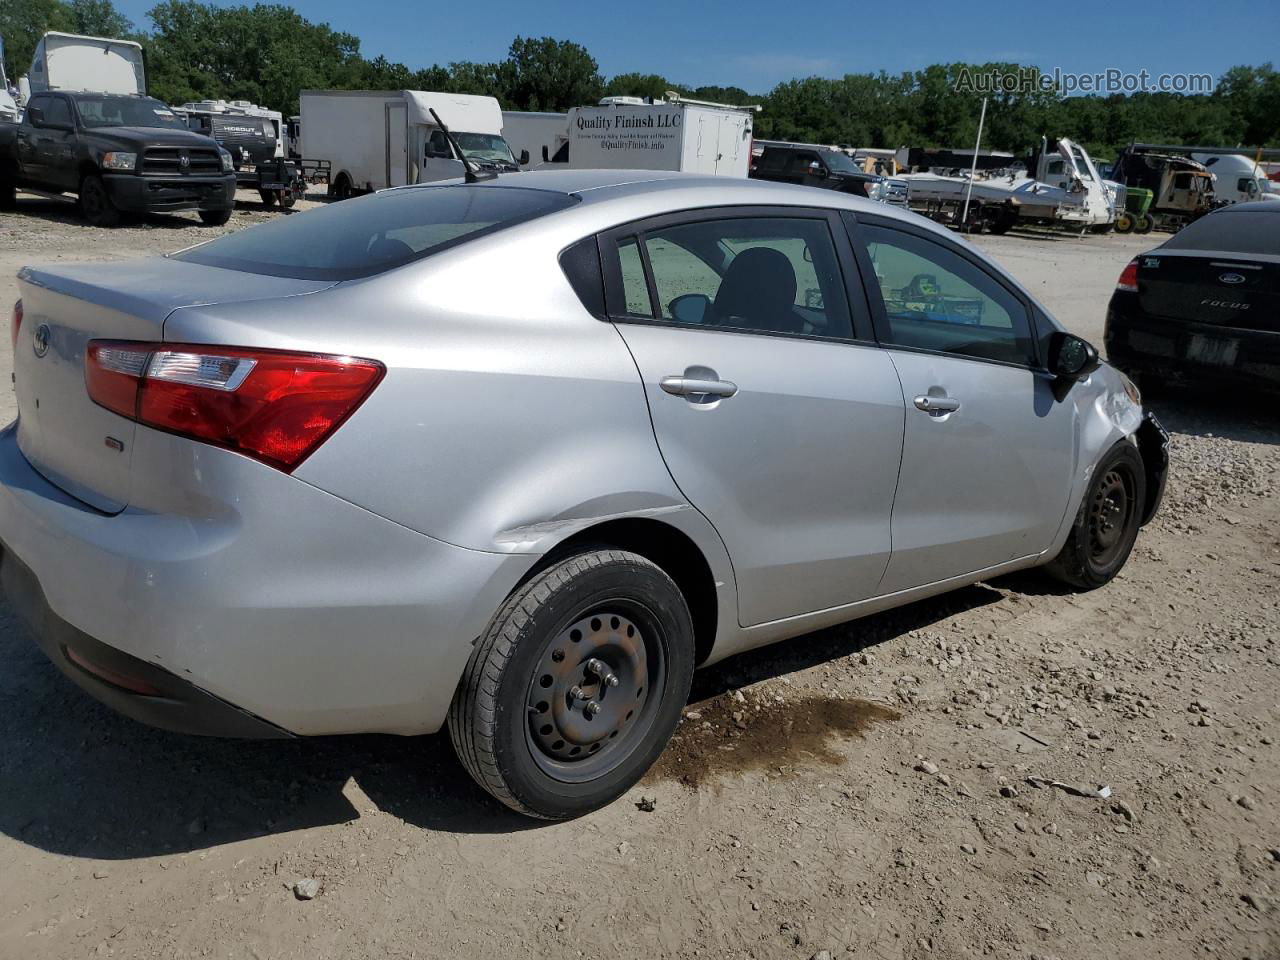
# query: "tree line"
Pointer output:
{"type": "Point", "coordinates": [267, 53]}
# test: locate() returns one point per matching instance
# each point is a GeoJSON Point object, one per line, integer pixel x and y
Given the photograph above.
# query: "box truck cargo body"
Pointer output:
{"type": "Point", "coordinates": [543, 136]}
{"type": "Point", "coordinates": [67, 61]}
{"type": "Point", "coordinates": [388, 138]}
{"type": "Point", "coordinates": [691, 137]}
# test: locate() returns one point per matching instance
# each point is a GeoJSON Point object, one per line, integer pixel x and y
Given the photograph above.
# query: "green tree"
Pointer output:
{"type": "Point", "coordinates": [549, 74]}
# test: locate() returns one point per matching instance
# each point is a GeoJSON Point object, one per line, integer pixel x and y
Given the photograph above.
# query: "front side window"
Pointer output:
{"type": "Point", "coordinates": [754, 274]}
{"type": "Point", "coordinates": [57, 111]}
{"type": "Point", "coordinates": [935, 299]}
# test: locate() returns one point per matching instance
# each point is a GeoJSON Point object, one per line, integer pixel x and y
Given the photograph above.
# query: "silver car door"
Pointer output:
{"type": "Point", "coordinates": [776, 417]}
{"type": "Point", "coordinates": [988, 452]}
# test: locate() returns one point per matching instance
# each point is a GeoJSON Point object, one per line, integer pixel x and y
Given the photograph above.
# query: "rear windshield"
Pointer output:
{"type": "Point", "coordinates": [372, 234]}
{"type": "Point", "coordinates": [1231, 231]}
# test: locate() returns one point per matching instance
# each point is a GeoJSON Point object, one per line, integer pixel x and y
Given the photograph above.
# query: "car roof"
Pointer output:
{"type": "Point", "coordinates": [1251, 206]}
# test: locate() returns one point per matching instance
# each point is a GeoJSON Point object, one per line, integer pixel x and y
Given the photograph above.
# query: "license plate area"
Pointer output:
{"type": "Point", "coordinates": [1216, 351]}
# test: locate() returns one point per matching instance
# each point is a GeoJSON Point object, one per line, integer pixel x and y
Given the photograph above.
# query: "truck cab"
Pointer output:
{"type": "Point", "coordinates": [1237, 179]}
{"type": "Point", "coordinates": [815, 166]}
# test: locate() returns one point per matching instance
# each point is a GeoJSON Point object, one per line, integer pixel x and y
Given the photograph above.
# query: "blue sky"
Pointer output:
{"type": "Point", "coordinates": [755, 44]}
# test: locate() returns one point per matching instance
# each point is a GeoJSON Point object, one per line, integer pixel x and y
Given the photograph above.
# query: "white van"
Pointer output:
{"type": "Point", "coordinates": [388, 138]}
{"type": "Point", "coordinates": [676, 134]}
{"type": "Point", "coordinates": [68, 61]}
{"type": "Point", "coordinates": [1236, 177]}
{"type": "Point", "coordinates": [536, 139]}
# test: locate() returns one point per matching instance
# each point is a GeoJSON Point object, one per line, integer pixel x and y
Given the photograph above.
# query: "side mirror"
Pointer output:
{"type": "Point", "coordinates": [817, 169]}
{"type": "Point", "coordinates": [36, 116]}
{"type": "Point", "coordinates": [690, 308]}
{"type": "Point", "coordinates": [1072, 358]}
{"type": "Point", "coordinates": [524, 156]}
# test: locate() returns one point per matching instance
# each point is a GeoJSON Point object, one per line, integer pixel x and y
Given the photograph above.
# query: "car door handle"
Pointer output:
{"type": "Point", "coordinates": [937, 404]}
{"type": "Point", "coordinates": [690, 386]}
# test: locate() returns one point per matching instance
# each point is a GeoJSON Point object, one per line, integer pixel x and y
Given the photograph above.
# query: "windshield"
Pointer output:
{"type": "Point", "coordinates": [840, 162]}
{"type": "Point", "coordinates": [126, 112]}
{"type": "Point", "coordinates": [484, 146]}
{"type": "Point", "coordinates": [376, 233]}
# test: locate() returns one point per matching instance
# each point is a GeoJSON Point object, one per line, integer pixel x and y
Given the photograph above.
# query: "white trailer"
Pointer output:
{"type": "Point", "coordinates": [67, 61]}
{"type": "Point", "coordinates": [676, 134]}
{"type": "Point", "coordinates": [8, 106]}
{"type": "Point", "coordinates": [387, 138]}
{"type": "Point", "coordinates": [536, 139]}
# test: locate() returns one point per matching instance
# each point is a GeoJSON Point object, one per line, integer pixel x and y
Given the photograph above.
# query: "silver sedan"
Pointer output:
{"type": "Point", "coordinates": [515, 457]}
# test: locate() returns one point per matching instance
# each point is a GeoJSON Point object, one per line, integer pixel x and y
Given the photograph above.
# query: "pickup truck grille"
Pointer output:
{"type": "Point", "coordinates": [168, 161]}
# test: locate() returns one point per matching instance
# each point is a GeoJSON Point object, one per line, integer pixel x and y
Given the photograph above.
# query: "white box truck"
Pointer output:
{"type": "Point", "coordinates": [387, 138]}
{"type": "Point", "coordinates": [536, 139]}
{"type": "Point", "coordinates": [676, 134]}
{"type": "Point", "coordinates": [67, 61]}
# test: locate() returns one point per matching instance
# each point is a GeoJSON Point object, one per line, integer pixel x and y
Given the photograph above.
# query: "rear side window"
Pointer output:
{"type": "Point", "coordinates": [1231, 231]}
{"type": "Point", "coordinates": [373, 234]}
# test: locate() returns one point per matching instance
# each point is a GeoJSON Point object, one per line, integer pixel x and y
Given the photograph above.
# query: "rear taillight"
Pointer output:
{"type": "Point", "coordinates": [276, 407]}
{"type": "Point", "coordinates": [15, 324]}
{"type": "Point", "coordinates": [1129, 278]}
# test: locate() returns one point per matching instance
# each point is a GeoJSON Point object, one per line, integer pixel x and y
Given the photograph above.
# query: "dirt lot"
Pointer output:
{"type": "Point", "coordinates": [920, 784]}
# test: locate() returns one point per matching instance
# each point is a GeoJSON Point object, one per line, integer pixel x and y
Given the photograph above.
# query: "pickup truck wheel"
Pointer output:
{"type": "Point", "coordinates": [576, 686]}
{"type": "Point", "coordinates": [8, 194]}
{"type": "Point", "coordinates": [341, 188]}
{"type": "Point", "coordinates": [95, 204]}
{"type": "Point", "coordinates": [215, 218]}
{"type": "Point", "coordinates": [268, 197]}
{"type": "Point", "coordinates": [287, 199]}
{"type": "Point", "coordinates": [1106, 526]}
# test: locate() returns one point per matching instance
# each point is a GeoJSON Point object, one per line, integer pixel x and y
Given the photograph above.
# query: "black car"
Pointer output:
{"type": "Point", "coordinates": [118, 154]}
{"type": "Point", "coordinates": [814, 167]}
{"type": "Point", "coordinates": [1204, 307]}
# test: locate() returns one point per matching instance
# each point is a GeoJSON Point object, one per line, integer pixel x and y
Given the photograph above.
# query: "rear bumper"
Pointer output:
{"type": "Point", "coordinates": [128, 685]}
{"type": "Point", "coordinates": [1177, 351]}
{"type": "Point", "coordinates": [226, 584]}
{"type": "Point", "coordinates": [138, 194]}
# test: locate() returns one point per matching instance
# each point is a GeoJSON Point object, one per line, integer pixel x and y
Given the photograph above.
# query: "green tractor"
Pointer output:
{"type": "Point", "coordinates": [1135, 217]}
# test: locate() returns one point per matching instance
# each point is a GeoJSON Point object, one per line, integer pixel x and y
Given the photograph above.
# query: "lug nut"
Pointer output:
{"type": "Point", "coordinates": [591, 709]}
{"type": "Point", "coordinates": [577, 693]}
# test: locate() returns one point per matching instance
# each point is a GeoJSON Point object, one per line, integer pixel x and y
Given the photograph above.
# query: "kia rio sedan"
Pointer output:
{"type": "Point", "coordinates": [515, 457]}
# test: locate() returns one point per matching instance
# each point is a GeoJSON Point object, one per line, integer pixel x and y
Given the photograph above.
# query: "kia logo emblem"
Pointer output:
{"type": "Point", "coordinates": [1231, 278]}
{"type": "Point", "coordinates": [40, 342]}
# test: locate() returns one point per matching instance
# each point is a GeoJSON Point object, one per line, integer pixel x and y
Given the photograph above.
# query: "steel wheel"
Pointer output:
{"type": "Point", "coordinates": [591, 695]}
{"type": "Point", "coordinates": [1109, 514]}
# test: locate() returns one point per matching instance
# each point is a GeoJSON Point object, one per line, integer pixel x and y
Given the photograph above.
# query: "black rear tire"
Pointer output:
{"type": "Point", "coordinates": [1146, 223]}
{"type": "Point", "coordinates": [268, 197]}
{"type": "Point", "coordinates": [287, 199]}
{"type": "Point", "coordinates": [95, 203]}
{"type": "Point", "coordinates": [215, 218]}
{"type": "Point", "coordinates": [522, 720]}
{"type": "Point", "coordinates": [8, 194]}
{"type": "Point", "coordinates": [1106, 526]}
{"type": "Point", "coordinates": [342, 188]}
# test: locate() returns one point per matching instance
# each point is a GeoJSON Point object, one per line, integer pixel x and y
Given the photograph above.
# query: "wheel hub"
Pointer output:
{"type": "Point", "coordinates": [1108, 515]}
{"type": "Point", "coordinates": [589, 687]}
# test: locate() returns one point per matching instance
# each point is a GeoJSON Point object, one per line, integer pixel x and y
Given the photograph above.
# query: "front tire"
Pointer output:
{"type": "Point", "coordinates": [268, 197]}
{"type": "Point", "coordinates": [1106, 526]}
{"type": "Point", "coordinates": [215, 218]}
{"type": "Point", "coordinates": [95, 203]}
{"type": "Point", "coordinates": [576, 686]}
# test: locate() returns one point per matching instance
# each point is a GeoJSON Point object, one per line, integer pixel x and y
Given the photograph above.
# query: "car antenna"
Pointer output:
{"type": "Point", "coordinates": [470, 174]}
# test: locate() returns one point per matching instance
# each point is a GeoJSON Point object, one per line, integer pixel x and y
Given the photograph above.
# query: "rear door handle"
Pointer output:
{"type": "Point", "coordinates": [937, 404]}
{"type": "Point", "coordinates": [691, 387]}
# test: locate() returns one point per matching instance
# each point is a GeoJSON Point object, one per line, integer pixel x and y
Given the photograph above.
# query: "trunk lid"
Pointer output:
{"type": "Point", "coordinates": [77, 445]}
{"type": "Point", "coordinates": [1219, 289]}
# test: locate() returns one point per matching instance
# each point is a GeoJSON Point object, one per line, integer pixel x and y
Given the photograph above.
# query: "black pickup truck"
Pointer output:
{"type": "Point", "coordinates": [814, 167]}
{"type": "Point", "coordinates": [118, 154]}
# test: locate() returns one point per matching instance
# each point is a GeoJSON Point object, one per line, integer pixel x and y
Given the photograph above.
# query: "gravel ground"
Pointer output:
{"type": "Point", "coordinates": [923, 783]}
